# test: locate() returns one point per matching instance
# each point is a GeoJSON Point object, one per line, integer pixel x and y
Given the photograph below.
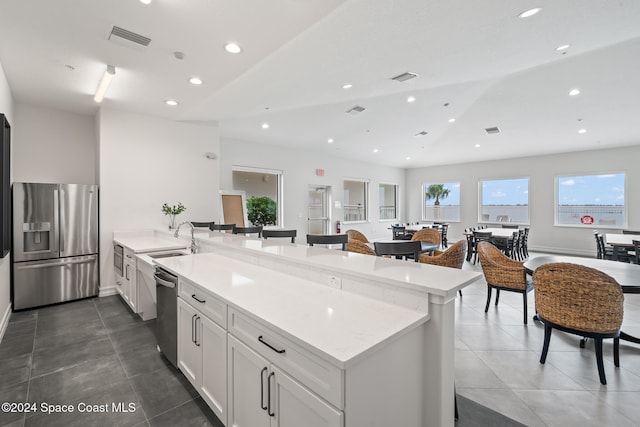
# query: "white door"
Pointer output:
{"type": "Point", "coordinates": [318, 210]}
{"type": "Point", "coordinates": [213, 384]}
{"type": "Point", "coordinates": [294, 406]}
{"type": "Point", "coordinates": [247, 386]}
{"type": "Point", "coordinates": [189, 353]}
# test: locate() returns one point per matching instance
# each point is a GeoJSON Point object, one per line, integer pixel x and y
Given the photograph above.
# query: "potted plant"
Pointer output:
{"type": "Point", "coordinates": [261, 210]}
{"type": "Point", "coordinates": [437, 191]}
{"type": "Point", "coordinates": [172, 211]}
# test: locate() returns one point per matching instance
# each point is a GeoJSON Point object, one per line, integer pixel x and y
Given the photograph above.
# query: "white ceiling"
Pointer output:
{"type": "Point", "coordinates": [491, 68]}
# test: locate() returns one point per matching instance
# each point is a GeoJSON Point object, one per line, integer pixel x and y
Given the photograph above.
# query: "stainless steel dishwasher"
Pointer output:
{"type": "Point", "coordinates": [167, 314]}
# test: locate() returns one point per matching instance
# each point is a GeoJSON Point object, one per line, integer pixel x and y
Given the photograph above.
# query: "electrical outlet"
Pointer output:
{"type": "Point", "coordinates": [335, 282]}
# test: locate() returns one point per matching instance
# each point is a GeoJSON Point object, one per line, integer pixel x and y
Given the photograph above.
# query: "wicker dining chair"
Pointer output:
{"type": "Point", "coordinates": [360, 247]}
{"type": "Point", "coordinates": [429, 235]}
{"type": "Point", "coordinates": [452, 257]}
{"type": "Point", "coordinates": [579, 300]}
{"type": "Point", "coordinates": [356, 235]}
{"type": "Point", "coordinates": [503, 274]}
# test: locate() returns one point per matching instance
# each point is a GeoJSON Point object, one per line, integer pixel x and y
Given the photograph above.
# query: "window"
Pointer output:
{"type": "Point", "coordinates": [504, 200]}
{"type": "Point", "coordinates": [591, 200]}
{"type": "Point", "coordinates": [257, 182]}
{"type": "Point", "coordinates": [441, 202]}
{"type": "Point", "coordinates": [355, 200]}
{"type": "Point", "coordinates": [388, 201]}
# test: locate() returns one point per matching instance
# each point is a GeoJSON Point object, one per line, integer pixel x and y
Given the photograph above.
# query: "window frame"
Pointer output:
{"type": "Point", "coordinates": [423, 189]}
{"type": "Point", "coordinates": [279, 189]}
{"type": "Point", "coordinates": [396, 202]}
{"type": "Point", "coordinates": [480, 204]}
{"type": "Point", "coordinates": [556, 206]}
{"type": "Point", "coordinates": [367, 198]}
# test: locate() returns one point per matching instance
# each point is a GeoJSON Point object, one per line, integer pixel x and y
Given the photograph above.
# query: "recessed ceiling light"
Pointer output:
{"type": "Point", "coordinates": [530, 12]}
{"type": "Point", "coordinates": [145, 1]}
{"type": "Point", "coordinates": [265, 126]}
{"type": "Point", "coordinates": [232, 48]}
{"type": "Point", "coordinates": [347, 86]}
{"type": "Point", "coordinates": [171, 102]}
{"type": "Point", "coordinates": [574, 92]}
{"type": "Point", "coordinates": [477, 145]}
{"type": "Point", "coordinates": [375, 150]}
{"type": "Point", "coordinates": [408, 158]}
{"type": "Point", "coordinates": [330, 140]}
{"type": "Point", "coordinates": [582, 131]}
{"type": "Point", "coordinates": [195, 81]}
{"type": "Point", "coordinates": [451, 120]}
{"type": "Point", "coordinates": [411, 99]}
{"type": "Point", "coordinates": [563, 47]}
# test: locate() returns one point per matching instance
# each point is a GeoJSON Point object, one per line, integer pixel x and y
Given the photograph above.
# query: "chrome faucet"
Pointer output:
{"type": "Point", "coordinates": [194, 245]}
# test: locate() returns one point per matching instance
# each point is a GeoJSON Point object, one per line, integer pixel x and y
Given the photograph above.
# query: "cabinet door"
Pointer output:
{"type": "Point", "coordinates": [189, 353]}
{"type": "Point", "coordinates": [247, 386]}
{"type": "Point", "coordinates": [213, 384]}
{"type": "Point", "coordinates": [293, 405]}
{"type": "Point", "coordinates": [132, 290]}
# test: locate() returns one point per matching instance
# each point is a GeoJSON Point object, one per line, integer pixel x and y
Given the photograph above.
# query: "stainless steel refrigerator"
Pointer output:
{"type": "Point", "coordinates": [55, 243]}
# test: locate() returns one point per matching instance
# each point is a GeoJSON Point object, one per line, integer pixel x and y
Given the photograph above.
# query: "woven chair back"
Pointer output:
{"type": "Point", "coordinates": [429, 235]}
{"type": "Point", "coordinates": [359, 247]}
{"type": "Point", "coordinates": [578, 297]}
{"type": "Point", "coordinates": [452, 257]}
{"type": "Point", "coordinates": [356, 235]}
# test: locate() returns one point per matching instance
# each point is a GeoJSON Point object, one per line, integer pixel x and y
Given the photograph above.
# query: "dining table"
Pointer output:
{"type": "Point", "coordinates": [627, 275]}
{"type": "Point", "coordinates": [620, 243]}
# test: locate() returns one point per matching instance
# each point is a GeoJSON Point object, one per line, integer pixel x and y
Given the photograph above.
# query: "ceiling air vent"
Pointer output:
{"type": "Point", "coordinates": [404, 77]}
{"type": "Point", "coordinates": [492, 130]}
{"type": "Point", "coordinates": [355, 110]}
{"type": "Point", "coordinates": [129, 35]}
{"type": "Point", "coordinates": [423, 133]}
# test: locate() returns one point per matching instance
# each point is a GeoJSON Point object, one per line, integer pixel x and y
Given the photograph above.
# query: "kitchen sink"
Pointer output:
{"type": "Point", "coordinates": [167, 255]}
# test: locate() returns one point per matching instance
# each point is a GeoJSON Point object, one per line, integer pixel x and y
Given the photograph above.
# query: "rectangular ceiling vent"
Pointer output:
{"type": "Point", "coordinates": [423, 133]}
{"type": "Point", "coordinates": [355, 110]}
{"type": "Point", "coordinates": [129, 35]}
{"type": "Point", "coordinates": [404, 77]}
{"type": "Point", "coordinates": [492, 130]}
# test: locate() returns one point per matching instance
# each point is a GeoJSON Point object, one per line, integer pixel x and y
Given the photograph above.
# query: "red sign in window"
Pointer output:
{"type": "Point", "coordinates": [587, 219]}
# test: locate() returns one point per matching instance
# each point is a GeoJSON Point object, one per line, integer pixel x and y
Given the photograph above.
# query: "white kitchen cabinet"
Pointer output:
{"type": "Point", "coordinates": [261, 394]}
{"type": "Point", "coordinates": [202, 356]}
{"type": "Point", "coordinates": [129, 288]}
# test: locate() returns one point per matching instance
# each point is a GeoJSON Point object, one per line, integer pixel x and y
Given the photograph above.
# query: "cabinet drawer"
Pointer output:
{"type": "Point", "coordinates": [318, 375]}
{"type": "Point", "coordinates": [129, 255]}
{"type": "Point", "coordinates": [204, 301]}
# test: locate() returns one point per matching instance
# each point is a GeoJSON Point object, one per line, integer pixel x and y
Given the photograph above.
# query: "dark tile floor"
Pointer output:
{"type": "Point", "coordinates": [93, 352]}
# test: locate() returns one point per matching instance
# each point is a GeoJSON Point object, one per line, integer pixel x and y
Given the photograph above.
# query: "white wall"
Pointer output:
{"type": "Point", "coordinates": [145, 162]}
{"type": "Point", "coordinates": [541, 171]}
{"type": "Point", "coordinates": [299, 171]}
{"type": "Point", "coordinates": [6, 108]}
{"type": "Point", "coordinates": [53, 146]}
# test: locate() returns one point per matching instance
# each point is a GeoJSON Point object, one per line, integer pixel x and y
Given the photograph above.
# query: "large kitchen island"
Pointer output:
{"type": "Point", "coordinates": [288, 335]}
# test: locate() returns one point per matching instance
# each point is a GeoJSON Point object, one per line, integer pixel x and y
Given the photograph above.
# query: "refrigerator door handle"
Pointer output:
{"type": "Point", "coordinates": [61, 223]}
{"type": "Point", "coordinates": [53, 264]}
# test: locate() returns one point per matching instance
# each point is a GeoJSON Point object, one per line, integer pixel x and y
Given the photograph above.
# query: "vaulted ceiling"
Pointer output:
{"type": "Point", "coordinates": [477, 63]}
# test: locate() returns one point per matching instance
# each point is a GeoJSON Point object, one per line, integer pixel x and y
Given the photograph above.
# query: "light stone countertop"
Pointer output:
{"type": "Point", "coordinates": [340, 326]}
{"type": "Point", "coordinates": [148, 241]}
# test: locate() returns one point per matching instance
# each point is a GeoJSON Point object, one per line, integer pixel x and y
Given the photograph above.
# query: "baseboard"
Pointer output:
{"type": "Point", "coordinates": [5, 321]}
{"type": "Point", "coordinates": [107, 292]}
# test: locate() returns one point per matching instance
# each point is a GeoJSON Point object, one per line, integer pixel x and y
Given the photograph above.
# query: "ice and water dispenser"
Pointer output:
{"type": "Point", "coordinates": [36, 237]}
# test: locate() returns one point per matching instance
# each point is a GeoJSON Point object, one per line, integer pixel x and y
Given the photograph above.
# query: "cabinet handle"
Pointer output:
{"type": "Point", "coordinates": [201, 301]}
{"type": "Point", "coordinates": [279, 351]}
{"type": "Point", "coordinates": [197, 318]}
{"type": "Point", "coordinates": [271, 414]}
{"type": "Point", "coordinates": [193, 328]}
{"type": "Point", "coordinates": [262, 388]}
{"type": "Point", "coordinates": [126, 271]}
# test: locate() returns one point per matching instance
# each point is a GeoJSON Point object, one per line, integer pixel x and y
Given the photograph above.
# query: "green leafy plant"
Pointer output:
{"type": "Point", "coordinates": [436, 191]}
{"type": "Point", "coordinates": [261, 210]}
{"type": "Point", "coordinates": [173, 210]}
